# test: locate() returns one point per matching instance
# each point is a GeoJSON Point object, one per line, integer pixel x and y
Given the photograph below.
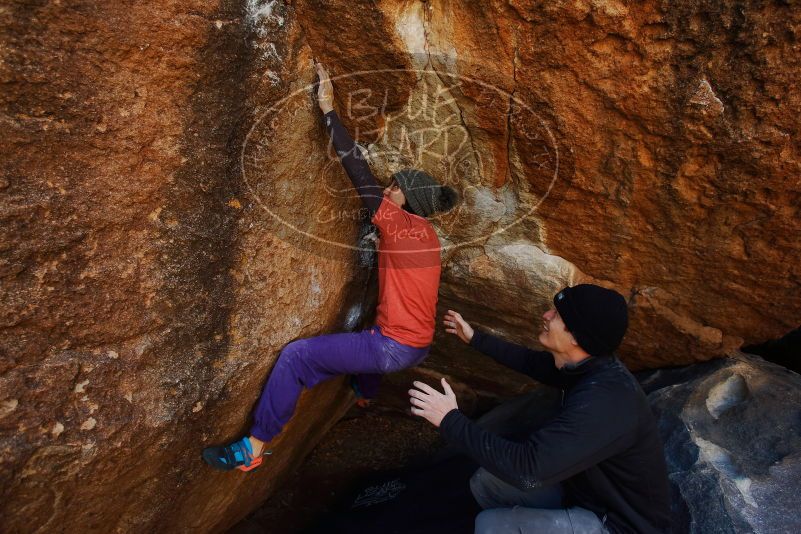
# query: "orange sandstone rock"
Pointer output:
{"type": "Point", "coordinates": [172, 216]}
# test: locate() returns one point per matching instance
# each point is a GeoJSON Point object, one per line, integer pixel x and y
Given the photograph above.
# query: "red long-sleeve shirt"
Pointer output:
{"type": "Point", "coordinates": [408, 251]}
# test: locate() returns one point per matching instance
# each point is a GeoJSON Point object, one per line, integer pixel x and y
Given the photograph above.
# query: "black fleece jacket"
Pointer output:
{"type": "Point", "coordinates": [603, 445]}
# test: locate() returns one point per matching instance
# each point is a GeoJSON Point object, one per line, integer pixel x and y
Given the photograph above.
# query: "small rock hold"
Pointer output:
{"type": "Point", "coordinates": [218, 24]}
{"type": "Point", "coordinates": [128, 396]}
{"type": "Point", "coordinates": [89, 424]}
{"type": "Point", "coordinates": [705, 97]}
{"type": "Point", "coordinates": [726, 395]}
{"type": "Point", "coordinates": [57, 429]}
{"type": "Point", "coordinates": [79, 386]}
{"type": "Point", "coordinates": [113, 355]}
{"type": "Point", "coordinates": [197, 407]}
{"type": "Point", "coordinates": [234, 203]}
{"type": "Point", "coordinates": [8, 406]}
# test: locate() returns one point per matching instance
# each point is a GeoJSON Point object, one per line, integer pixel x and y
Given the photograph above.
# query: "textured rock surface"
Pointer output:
{"type": "Point", "coordinates": [676, 131]}
{"type": "Point", "coordinates": [145, 293]}
{"type": "Point", "coordinates": [732, 440]}
{"type": "Point", "coordinates": [170, 216]}
{"type": "Point", "coordinates": [650, 147]}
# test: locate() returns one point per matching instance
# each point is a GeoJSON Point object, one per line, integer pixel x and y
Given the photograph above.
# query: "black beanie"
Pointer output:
{"type": "Point", "coordinates": [597, 317]}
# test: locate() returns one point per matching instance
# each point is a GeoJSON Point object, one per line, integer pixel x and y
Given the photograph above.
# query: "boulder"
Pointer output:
{"type": "Point", "coordinates": [172, 214]}
{"type": "Point", "coordinates": [732, 435]}
{"type": "Point", "coordinates": [146, 292]}
{"type": "Point", "coordinates": [627, 145]}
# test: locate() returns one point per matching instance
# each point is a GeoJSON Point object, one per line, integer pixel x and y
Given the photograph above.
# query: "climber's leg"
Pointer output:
{"type": "Point", "coordinates": [395, 356]}
{"type": "Point", "coordinates": [303, 364]}
{"type": "Point", "coordinates": [307, 362]}
{"type": "Point", "coordinates": [366, 385]}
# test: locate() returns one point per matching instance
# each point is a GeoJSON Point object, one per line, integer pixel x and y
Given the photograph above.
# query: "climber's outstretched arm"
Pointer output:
{"type": "Point", "coordinates": [349, 154]}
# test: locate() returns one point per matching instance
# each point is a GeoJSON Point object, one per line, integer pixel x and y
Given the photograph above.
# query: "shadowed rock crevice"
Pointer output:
{"type": "Point", "coordinates": [199, 222]}
{"type": "Point", "coordinates": [785, 351]}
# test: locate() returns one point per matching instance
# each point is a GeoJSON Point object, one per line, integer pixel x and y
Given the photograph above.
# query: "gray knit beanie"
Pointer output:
{"type": "Point", "coordinates": [423, 194]}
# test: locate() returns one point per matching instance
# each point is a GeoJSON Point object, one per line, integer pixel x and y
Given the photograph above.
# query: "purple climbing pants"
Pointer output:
{"type": "Point", "coordinates": [307, 362]}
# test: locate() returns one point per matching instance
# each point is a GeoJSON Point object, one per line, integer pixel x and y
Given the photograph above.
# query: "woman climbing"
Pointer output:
{"type": "Point", "coordinates": [408, 279]}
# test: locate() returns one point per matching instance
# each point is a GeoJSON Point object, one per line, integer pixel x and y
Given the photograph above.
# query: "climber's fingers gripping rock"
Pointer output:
{"type": "Point", "coordinates": [455, 324]}
{"type": "Point", "coordinates": [325, 91]}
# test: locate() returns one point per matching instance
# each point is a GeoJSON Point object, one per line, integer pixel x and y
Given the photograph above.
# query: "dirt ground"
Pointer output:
{"type": "Point", "coordinates": [381, 437]}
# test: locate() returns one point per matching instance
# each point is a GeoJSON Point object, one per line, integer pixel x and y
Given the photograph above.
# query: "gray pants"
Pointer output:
{"type": "Point", "coordinates": [538, 510]}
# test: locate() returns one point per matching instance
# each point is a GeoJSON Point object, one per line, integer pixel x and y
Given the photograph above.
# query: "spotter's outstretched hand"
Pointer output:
{"type": "Point", "coordinates": [430, 404]}
{"type": "Point", "coordinates": [454, 324]}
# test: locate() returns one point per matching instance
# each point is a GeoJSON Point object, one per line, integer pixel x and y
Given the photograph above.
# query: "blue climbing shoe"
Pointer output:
{"type": "Point", "coordinates": [361, 400]}
{"type": "Point", "coordinates": [237, 455]}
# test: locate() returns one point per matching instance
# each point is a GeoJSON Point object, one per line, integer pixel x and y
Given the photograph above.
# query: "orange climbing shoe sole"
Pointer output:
{"type": "Point", "coordinates": [253, 465]}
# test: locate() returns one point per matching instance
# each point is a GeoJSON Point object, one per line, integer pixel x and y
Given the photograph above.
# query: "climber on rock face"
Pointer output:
{"type": "Point", "coordinates": [598, 465]}
{"type": "Point", "coordinates": [408, 278]}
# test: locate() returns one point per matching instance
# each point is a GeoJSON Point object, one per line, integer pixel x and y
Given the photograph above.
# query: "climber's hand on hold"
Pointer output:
{"type": "Point", "coordinates": [325, 91]}
{"type": "Point", "coordinates": [430, 404]}
{"type": "Point", "coordinates": [454, 324]}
